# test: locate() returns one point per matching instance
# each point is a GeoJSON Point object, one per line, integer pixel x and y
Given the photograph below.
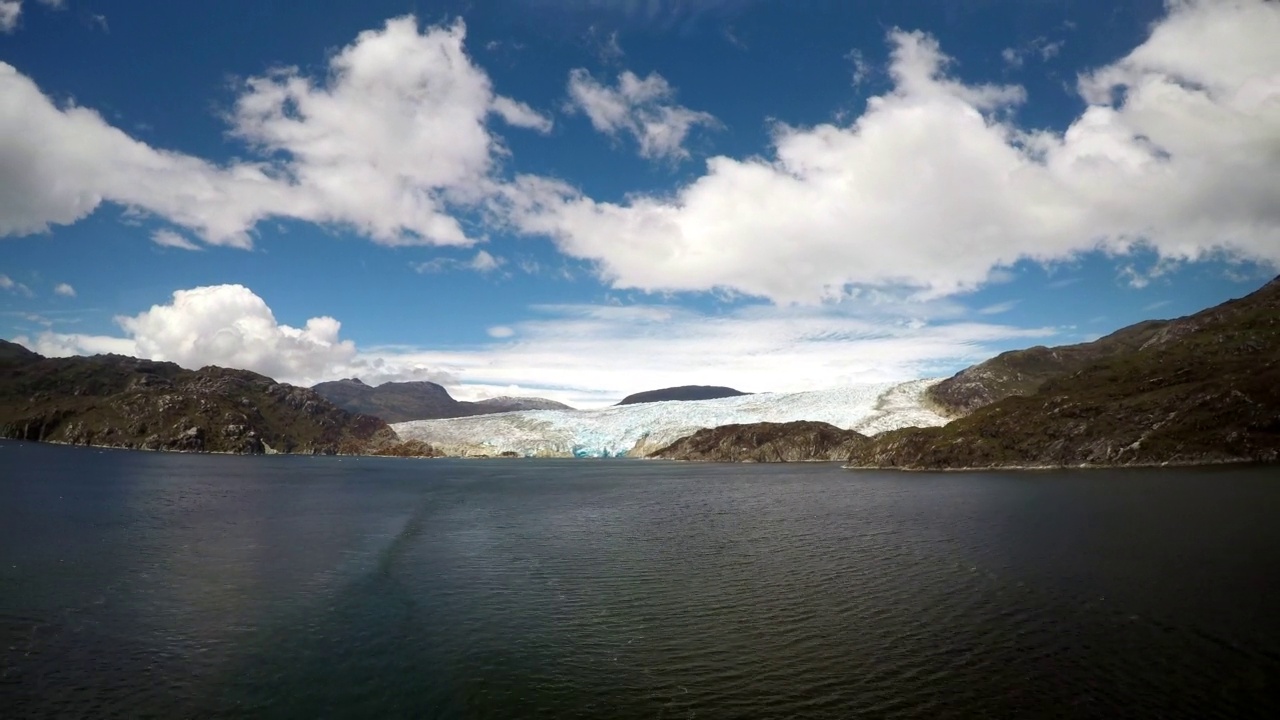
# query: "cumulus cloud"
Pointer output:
{"type": "Point", "coordinates": [225, 325]}
{"type": "Point", "coordinates": [65, 290]}
{"type": "Point", "coordinates": [639, 107]}
{"type": "Point", "coordinates": [933, 187]}
{"type": "Point", "coordinates": [391, 140]}
{"type": "Point", "coordinates": [230, 325]}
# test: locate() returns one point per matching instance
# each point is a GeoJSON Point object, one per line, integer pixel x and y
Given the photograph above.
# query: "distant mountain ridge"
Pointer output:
{"type": "Point", "coordinates": [404, 401]}
{"type": "Point", "coordinates": [683, 392]}
{"type": "Point", "coordinates": [117, 401]}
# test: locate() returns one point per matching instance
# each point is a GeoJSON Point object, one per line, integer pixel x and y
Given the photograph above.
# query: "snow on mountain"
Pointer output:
{"type": "Point", "coordinates": [636, 430]}
{"type": "Point", "coordinates": [523, 403]}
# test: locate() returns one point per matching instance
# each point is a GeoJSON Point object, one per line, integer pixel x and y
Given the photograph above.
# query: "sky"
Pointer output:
{"type": "Point", "coordinates": [582, 199]}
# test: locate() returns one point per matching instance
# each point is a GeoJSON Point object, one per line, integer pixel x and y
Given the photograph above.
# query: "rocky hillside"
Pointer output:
{"type": "Point", "coordinates": [117, 401]}
{"type": "Point", "coordinates": [766, 442]}
{"type": "Point", "coordinates": [684, 392]}
{"type": "Point", "coordinates": [1023, 372]}
{"type": "Point", "coordinates": [1200, 389]}
{"type": "Point", "coordinates": [404, 401]}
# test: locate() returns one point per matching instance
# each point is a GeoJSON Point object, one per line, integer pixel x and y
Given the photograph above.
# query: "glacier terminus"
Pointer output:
{"type": "Point", "coordinates": [637, 430]}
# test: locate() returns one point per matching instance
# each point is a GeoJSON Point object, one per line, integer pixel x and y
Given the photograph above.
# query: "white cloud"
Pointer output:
{"type": "Point", "coordinates": [10, 11]}
{"type": "Point", "coordinates": [59, 164]}
{"type": "Point", "coordinates": [169, 238]}
{"type": "Point", "coordinates": [65, 290]}
{"type": "Point", "coordinates": [53, 4]}
{"type": "Point", "coordinates": [9, 284]}
{"type": "Point", "coordinates": [500, 331]}
{"type": "Point", "coordinates": [640, 107]}
{"type": "Point", "coordinates": [394, 136]}
{"type": "Point", "coordinates": [230, 325]}
{"type": "Point", "coordinates": [521, 115]}
{"type": "Point", "coordinates": [933, 187]}
{"type": "Point", "coordinates": [387, 143]}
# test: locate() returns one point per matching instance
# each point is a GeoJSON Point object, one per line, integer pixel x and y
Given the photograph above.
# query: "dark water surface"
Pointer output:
{"type": "Point", "coordinates": [137, 584]}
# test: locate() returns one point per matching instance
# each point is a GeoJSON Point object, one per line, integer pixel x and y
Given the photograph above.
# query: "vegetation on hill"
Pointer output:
{"type": "Point", "coordinates": [116, 401]}
{"type": "Point", "coordinates": [1023, 372]}
{"type": "Point", "coordinates": [1200, 389]}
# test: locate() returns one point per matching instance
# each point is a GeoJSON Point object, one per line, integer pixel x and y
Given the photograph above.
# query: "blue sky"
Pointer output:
{"type": "Point", "coordinates": [586, 198]}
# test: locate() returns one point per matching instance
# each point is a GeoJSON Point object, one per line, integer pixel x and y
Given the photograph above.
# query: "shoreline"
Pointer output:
{"type": "Point", "coordinates": [850, 468]}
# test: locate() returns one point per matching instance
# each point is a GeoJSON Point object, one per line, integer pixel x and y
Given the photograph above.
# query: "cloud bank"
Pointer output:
{"type": "Point", "coordinates": [581, 354]}
{"type": "Point", "coordinates": [934, 186]}
{"type": "Point", "coordinates": [391, 141]}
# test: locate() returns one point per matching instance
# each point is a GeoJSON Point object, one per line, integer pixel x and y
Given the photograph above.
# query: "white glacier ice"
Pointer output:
{"type": "Point", "coordinates": [636, 430]}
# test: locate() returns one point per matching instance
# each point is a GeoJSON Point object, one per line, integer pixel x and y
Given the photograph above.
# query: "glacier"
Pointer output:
{"type": "Point", "coordinates": [637, 430]}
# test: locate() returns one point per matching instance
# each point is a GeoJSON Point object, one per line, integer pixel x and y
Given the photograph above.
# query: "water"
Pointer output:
{"type": "Point", "coordinates": [154, 585]}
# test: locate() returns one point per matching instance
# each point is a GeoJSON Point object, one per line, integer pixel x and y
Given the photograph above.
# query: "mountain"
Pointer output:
{"type": "Point", "coordinates": [637, 430]}
{"type": "Point", "coordinates": [1023, 372]}
{"type": "Point", "coordinates": [507, 403]}
{"type": "Point", "coordinates": [765, 442]}
{"type": "Point", "coordinates": [684, 392]}
{"type": "Point", "coordinates": [15, 353]}
{"type": "Point", "coordinates": [1200, 389]}
{"type": "Point", "coordinates": [117, 401]}
{"type": "Point", "coordinates": [403, 401]}
{"type": "Point", "coordinates": [393, 402]}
